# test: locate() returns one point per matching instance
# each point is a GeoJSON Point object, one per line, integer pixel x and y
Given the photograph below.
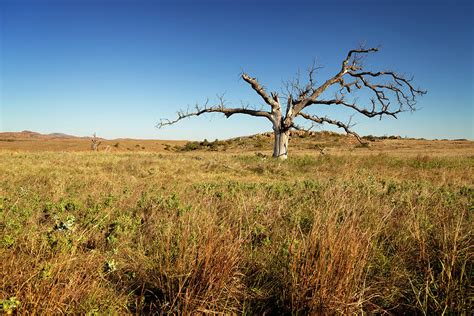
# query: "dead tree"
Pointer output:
{"type": "Point", "coordinates": [391, 94]}
{"type": "Point", "coordinates": [95, 143]}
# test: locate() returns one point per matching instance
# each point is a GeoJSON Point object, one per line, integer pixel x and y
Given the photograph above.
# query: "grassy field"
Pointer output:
{"type": "Point", "coordinates": [384, 229]}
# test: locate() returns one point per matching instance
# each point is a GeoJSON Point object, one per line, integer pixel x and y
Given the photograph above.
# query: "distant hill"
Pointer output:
{"type": "Point", "coordinates": [60, 135]}
{"type": "Point", "coordinates": [33, 141]}
{"type": "Point", "coordinates": [34, 135]}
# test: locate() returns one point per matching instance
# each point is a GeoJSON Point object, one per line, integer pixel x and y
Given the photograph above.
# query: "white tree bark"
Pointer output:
{"type": "Point", "coordinates": [280, 147]}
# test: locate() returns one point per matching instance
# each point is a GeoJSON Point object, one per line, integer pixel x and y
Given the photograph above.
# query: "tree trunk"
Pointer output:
{"type": "Point", "coordinates": [280, 147]}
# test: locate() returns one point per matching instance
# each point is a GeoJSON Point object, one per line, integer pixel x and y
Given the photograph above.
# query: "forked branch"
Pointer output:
{"type": "Point", "coordinates": [272, 101]}
{"type": "Point", "coordinates": [382, 85]}
{"type": "Point", "coordinates": [219, 108]}
{"type": "Point", "coordinates": [320, 120]}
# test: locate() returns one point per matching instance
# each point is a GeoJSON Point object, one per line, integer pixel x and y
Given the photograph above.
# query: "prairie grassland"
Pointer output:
{"type": "Point", "coordinates": [205, 232]}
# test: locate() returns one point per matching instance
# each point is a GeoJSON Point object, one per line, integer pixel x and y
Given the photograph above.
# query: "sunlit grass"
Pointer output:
{"type": "Point", "coordinates": [235, 233]}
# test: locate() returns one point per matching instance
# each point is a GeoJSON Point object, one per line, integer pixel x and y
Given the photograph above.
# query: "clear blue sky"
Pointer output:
{"type": "Point", "coordinates": [117, 67]}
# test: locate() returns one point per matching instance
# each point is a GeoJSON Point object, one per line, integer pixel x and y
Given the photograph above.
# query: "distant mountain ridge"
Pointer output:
{"type": "Point", "coordinates": [35, 135]}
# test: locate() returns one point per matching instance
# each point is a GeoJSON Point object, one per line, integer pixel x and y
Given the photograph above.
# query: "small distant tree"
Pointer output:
{"type": "Point", "coordinates": [95, 143]}
{"type": "Point", "coordinates": [391, 93]}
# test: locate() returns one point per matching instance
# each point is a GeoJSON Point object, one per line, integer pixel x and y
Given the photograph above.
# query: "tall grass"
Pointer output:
{"type": "Point", "coordinates": [216, 233]}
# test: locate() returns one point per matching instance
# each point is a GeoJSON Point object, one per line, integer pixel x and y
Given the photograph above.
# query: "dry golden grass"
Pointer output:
{"type": "Point", "coordinates": [356, 230]}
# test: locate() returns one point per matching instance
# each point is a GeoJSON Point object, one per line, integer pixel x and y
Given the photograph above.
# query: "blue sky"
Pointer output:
{"type": "Point", "coordinates": [117, 67]}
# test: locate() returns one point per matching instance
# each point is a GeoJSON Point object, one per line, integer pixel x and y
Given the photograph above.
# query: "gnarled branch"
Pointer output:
{"type": "Point", "coordinates": [219, 108]}
{"type": "Point", "coordinates": [346, 67]}
{"type": "Point", "coordinates": [321, 120]}
{"type": "Point", "coordinates": [400, 87]}
{"type": "Point", "coordinates": [272, 101]}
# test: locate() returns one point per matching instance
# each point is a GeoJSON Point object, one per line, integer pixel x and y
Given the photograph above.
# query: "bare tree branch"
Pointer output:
{"type": "Point", "coordinates": [369, 113]}
{"type": "Point", "coordinates": [294, 87]}
{"type": "Point", "coordinates": [347, 65]}
{"type": "Point", "coordinates": [354, 54]}
{"type": "Point", "coordinates": [302, 128]}
{"type": "Point", "coordinates": [220, 108]}
{"type": "Point", "coordinates": [402, 89]}
{"type": "Point", "coordinates": [321, 120]}
{"type": "Point", "coordinates": [272, 101]}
